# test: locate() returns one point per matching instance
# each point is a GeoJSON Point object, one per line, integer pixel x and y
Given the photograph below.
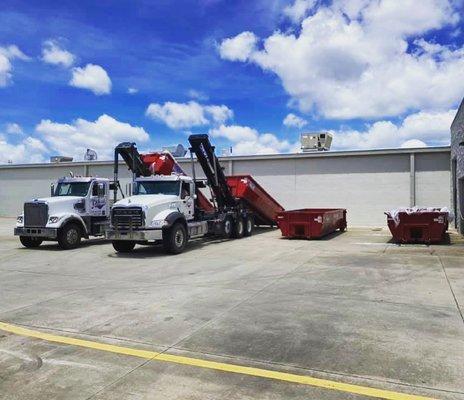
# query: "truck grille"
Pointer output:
{"type": "Point", "coordinates": [126, 218]}
{"type": "Point", "coordinates": [35, 214]}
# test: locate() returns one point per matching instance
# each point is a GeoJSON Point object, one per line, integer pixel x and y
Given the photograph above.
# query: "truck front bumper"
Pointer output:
{"type": "Point", "coordinates": [51, 233]}
{"type": "Point", "coordinates": [147, 235]}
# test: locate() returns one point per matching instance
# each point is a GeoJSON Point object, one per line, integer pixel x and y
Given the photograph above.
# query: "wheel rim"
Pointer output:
{"type": "Point", "coordinates": [179, 238]}
{"type": "Point", "coordinates": [239, 227]}
{"type": "Point", "coordinates": [227, 227]}
{"type": "Point", "coordinates": [72, 236]}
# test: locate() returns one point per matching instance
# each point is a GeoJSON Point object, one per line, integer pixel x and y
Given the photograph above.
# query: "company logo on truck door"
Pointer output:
{"type": "Point", "coordinates": [97, 204]}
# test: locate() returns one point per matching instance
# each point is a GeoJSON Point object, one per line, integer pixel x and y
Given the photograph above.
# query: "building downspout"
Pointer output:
{"type": "Point", "coordinates": [412, 180]}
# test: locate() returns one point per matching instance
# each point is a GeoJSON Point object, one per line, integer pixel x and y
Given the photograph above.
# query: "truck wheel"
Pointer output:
{"type": "Point", "coordinates": [228, 227]}
{"type": "Point", "coordinates": [69, 236]}
{"type": "Point", "coordinates": [175, 238]}
{"type": "Point", "coordinates": [239, 228]}
{"type": "Point", "coordinates": [30, 242]}
{"type": "Point", "coordinates": [249, 225]}
{"type": "Point", "coordinates": [123, 246]}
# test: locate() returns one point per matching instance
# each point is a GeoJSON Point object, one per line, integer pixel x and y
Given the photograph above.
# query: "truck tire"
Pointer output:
{"type": "Point", "coordinates": [123, 246]}
{"type": "Point", "coordinates": [69, 236]}
{"type": "Point", "coordinates": [30, 242]}
{"type": "Point", "coordinates": [239, 228]}
{"type": "Point", "coordinates": [175, 238]}
{"type": "Point", "coordinates": [228, 227]}
{"type": "Point", "coordinates": [249, 225]}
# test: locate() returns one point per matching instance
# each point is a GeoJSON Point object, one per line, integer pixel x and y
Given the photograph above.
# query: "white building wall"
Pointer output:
{"type": "Point", "coordinates": [432, 175]}
{"type": "Point", "coordinates": [366, 183]}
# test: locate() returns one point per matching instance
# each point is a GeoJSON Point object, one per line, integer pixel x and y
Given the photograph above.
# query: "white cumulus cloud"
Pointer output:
{"type": "Point", "coordinates": [13, 128]}
{"type": "Point", "coordinates": [238, 48]}
{"type": "Point", "coordinates": [188, 115]}
{"type": "Point", "coordinates": [52, 53]}
{"type": "Point", "coordinates": [294, 121]}
{"type": "Point", "coordinates": [298, 10]}
{"type": "Point", "coordinates": [248, 141]}
{"type": "Point", "coordinates": [197, 95]}
{"type": "Point", "coordinates": [413, 143]}
{"type": "Point", "coordinates": [132, 90]}
{"type": "Point", "coordinates": [91, 77]}
{"type": "Point", "coordinates": [363, 59]}
{"type": "Point", "coordinates": [29, 150]}
{"type": "Point", "coordinates": [7, 55]}
{"type": "Point", "coordinates": [101, 135]}
{"type": "Point", "coordinates": [416, 130]}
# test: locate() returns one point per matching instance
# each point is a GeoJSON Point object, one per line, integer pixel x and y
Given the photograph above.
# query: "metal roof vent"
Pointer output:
{"type": "Point", "coordinates": [90, 155]}
{"type": "Point", "coordinates": [316, 141]}
{"type": "Point", "coordinates": [60, 159]}
{"type": "Point", "coordinates": [176, 151]}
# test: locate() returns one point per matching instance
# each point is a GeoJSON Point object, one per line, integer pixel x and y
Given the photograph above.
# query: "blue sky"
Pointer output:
{"type": "Point", "coordinates": [253, 74]}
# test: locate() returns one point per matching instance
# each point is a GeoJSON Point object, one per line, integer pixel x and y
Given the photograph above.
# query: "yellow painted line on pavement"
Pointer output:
{"type": "Point", "coordinates": [218, 366]}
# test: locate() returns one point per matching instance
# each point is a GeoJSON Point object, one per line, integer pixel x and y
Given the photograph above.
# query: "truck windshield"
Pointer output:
{"type": "Point", "coordinates": [79, 189]}
{"type": "Point", "coordinates": [157, 187]}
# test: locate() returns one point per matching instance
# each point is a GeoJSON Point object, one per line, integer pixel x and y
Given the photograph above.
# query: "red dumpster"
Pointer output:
{"type": "Point", "coordinates": [257, 199]}
{"type": "Point", "coordinates": [414, 225]}
{"type": "Point", "coordinates": [311, 223]}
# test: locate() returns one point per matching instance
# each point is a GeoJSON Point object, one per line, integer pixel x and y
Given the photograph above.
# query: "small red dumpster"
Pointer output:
{"type": "Point", "coordinates": [418, 225]}
{"type": "Point", "coordinates": [311, 223]}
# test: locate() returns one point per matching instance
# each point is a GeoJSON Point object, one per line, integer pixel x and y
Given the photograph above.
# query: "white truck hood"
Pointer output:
{"type": "Point", "coordinates": [60, 200]}
{"type": "Point", "coordinates": [146, 200]}
{"type": "Point", "coordinates": [60, 204]}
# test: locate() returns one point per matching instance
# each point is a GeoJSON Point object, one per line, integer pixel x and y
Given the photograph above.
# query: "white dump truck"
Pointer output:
{"type": "Point", "coordinates": [160, 209]}
{"type": "Point", "coordinates": [79, 207]}
{"type": "Point", "coordinates": [167, 206]}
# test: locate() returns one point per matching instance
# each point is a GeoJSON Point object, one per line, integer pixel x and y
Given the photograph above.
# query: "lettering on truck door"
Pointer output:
{"type": "Point", "coordinates": [98, 199]}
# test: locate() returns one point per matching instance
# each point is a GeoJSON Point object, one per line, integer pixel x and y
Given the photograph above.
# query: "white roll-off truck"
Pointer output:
{"type": "Point", "coordinates": [167, 207]}
{"type": "Point", "coordinates": [79, 207]}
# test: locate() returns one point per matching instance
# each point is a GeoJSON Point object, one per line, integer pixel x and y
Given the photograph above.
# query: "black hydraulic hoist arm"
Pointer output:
{"type": "Point", "coordinates": [204, 151]}
{"type": "Point", "coordinates": [129, 153]}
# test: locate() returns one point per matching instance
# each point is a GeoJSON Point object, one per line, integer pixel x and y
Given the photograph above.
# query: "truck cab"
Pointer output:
{"type": "Point", "coordinates": [78, 207]}
{"type": "Point", "coordinates": [161, 208]}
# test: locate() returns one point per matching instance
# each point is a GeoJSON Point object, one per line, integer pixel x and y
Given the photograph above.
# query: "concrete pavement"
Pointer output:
{"type": "Point", "coordinates": [352, 308]}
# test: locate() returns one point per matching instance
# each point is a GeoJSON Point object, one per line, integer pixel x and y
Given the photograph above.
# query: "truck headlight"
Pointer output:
{"type": "Point", "coordinates": [158, 223]}
{"type": "Point", "coordinates": [53, 219]}
{"type": "Point", "coordinates": [19, 219]}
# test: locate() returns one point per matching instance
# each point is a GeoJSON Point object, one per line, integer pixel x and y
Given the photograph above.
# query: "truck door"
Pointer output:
{"type": "Point", "coordinates": [186, 196]}
{"type": "Point", "coordinates": [98, 202]}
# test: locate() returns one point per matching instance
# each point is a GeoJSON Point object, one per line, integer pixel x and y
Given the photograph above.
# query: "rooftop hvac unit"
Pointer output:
{"type": "Point", "coordinates": [226, 152]}
{"type": "Point", "coordinates": [176, 151]}
{"type": "Point", "coordinates": [60, 159]}
{"type": "Point", "coordinates": [316, 141]}
{"type": "Point", "coordinates": [90, 155]}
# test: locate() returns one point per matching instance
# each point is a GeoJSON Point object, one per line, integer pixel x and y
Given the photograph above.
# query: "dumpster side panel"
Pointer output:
{"type": "Point", "coordinates": [257, 199]}
{"type": "Point", "coordinates": [311, 223]}
{"type": "Point", "coordinates": [423, 227]}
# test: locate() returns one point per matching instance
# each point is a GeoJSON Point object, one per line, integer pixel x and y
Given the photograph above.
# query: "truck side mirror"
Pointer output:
{"type": "Point", "coordinates": [52, 189]}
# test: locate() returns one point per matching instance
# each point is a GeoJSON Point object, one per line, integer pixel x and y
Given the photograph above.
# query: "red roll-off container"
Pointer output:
{"type": "Point", "coordinates": [311, 223]}
{"type": "Point", "coordinates": [263, 205]}
{"type": "Point", "coordinates": [418, 226]}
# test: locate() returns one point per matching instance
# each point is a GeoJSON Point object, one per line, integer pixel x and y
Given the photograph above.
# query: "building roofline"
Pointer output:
{"type": "Point", "coordinates": [318, 154]}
